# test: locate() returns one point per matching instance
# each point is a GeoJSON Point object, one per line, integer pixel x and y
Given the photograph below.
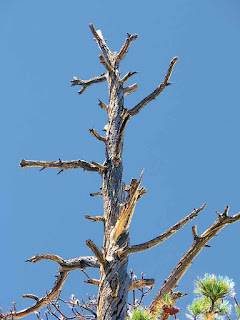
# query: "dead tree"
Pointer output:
{"type": "Point", "coordinates": [119, 200]}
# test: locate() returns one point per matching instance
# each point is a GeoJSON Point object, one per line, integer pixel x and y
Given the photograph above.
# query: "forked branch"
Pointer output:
{"type": "Point", "coordinates": [87, 83]}
{"type": "Point", "coordinates": [164, 236]}
{"type": "Point", "coordinates": [198, 244]}
{"type": "Point", "coordinates": [157, 91]}
{"type": "Point", "coordinates": [62, 165]}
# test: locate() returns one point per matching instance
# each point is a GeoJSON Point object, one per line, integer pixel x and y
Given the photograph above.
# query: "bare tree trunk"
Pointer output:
{"type": "Point", "coordinates": [113, 287]}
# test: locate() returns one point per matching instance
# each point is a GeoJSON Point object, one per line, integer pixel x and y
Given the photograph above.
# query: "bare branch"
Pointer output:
{"type": "Point", "coordinates": [45, 256]}
{"type": "Point", "coordinates": [94, 282]}
{"type": "Point", "coordinates": [95, 218]}
{"type": "Point", "coordinates": [101, 43]}
{"type": "Point", "coordinates": [130, 89]}
{"type": "Point", "coordinates": [30, 296]}
{"type": "Point", "coordinates": [194, 232]}
{"type": "Point", "coordinates": [124, 50]}
{"type": "Point", "coordinates": [116, 286]}
{"type": "Point", "coordinates": [127, 76]}
{"type": "Point", "coordinates": [96, 251]}
{"type": "Point", "coordinates": [139, 284]}
{"type": "Point", "coordinates": [87, 83]}
{"type": "Point", "coordinates": [177, 295]}
{"type": "Point", "coordinates": [96, 194]}
{"type": "Point", "coordinates": [99, 165]}
{"type": "Point", "coordinates": [102, 105]}
{"type": "Point", "coordinates": [106, 64]}
{"type": "Point", "coordinates": [63, 165]}
{"type": "Point", "coordinates": [185, 262]}
{"type": "Point", "coordinates": [80, 263]}
{"type": "Point", "coordinates": [157, 91]}
{"type": "Point", "coordinates": [97, 135]}
{"type": "Point", "coordinates": [164, 236]}
{"type": "Point", "coordinates": [67, 265]}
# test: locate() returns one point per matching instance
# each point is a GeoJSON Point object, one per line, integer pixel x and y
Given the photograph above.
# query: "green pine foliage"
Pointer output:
{"type": "Point", "coordinates": [214, 287]}
{"type": "Point", "coordinates": [211, 303]}
{"type": "Point", "coordinates": [139, 314]}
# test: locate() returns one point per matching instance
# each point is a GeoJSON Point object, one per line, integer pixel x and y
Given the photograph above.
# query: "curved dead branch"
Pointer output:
{"type": "Point", "coordinates": [41, 302]}
{"type": "Point", "coordinates": [198, 244]}
{"type": "Point", "coordinates": [97, 135]}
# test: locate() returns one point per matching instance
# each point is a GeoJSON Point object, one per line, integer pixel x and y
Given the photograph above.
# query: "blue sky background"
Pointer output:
{"type": "Point", "coordinates": [187, 140]}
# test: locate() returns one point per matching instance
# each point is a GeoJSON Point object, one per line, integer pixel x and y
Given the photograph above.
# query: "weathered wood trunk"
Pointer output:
{"type": "Point", "coordinates": [112, 302]}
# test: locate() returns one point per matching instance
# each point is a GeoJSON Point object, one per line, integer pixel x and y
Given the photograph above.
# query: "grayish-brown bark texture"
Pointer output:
{"type": "Point", "coordinates": [119, 201]}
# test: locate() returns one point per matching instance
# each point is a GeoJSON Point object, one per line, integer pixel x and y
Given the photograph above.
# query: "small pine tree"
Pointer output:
{"type": "Point", "coordinates": [210, 303]}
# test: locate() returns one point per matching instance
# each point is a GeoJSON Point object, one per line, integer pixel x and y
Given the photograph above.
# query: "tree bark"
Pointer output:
{"type": "Point", "coordinates": [113, 306]}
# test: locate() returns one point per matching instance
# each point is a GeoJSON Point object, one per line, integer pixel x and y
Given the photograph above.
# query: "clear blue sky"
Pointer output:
{"type": "Point", "coordinates": [187, 140]}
